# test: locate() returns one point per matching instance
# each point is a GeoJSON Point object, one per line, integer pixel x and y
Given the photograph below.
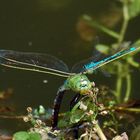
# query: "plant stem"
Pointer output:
{"type": "Point", "coordinates": [120, 40]}
{"type": "Point", "coordinates": [125, 23]}
{"type": "Point", "coordinates": [100, 132]}
{"type": "Point", "coordinates": [97, 25]}
{"type": "Point", "coordinates": [135, 110]}
{"type": "Point", "coordinates": [119, 83]}
{"type": "Point", "coordinates": [128, 89]}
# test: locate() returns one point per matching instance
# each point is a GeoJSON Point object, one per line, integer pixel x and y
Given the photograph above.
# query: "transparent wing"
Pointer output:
{"type": "Point", "coordinates": [34, 62]}
{"type": "Point", "coordinates": [78, 67]}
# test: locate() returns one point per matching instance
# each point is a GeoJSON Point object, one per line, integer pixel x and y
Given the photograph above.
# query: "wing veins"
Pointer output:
{"type": "Point", "coordinates": [50, 71]}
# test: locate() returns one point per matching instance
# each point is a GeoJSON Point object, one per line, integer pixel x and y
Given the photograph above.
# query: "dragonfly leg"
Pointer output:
{"type": "Point", "coordinates": [57, 103]}
{"type": "Point", "coordinates": [74, 100]}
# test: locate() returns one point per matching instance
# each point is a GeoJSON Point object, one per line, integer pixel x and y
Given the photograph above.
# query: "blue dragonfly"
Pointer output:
{"type": "Point", "coordinates": [76, 81]}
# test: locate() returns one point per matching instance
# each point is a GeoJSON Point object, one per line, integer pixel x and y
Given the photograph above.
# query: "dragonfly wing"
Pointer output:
{"type": "Point", "coordinates": [33, 61]}
{"type": "Point", "coordinates": [79, 67]}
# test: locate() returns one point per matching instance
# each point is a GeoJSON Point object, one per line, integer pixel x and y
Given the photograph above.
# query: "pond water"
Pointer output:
{"type": "Point", "coordinates": [51, 27]}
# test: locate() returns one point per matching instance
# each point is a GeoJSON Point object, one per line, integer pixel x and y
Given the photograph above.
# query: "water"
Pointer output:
{"type": "Point", "coordinates": [39, 26]}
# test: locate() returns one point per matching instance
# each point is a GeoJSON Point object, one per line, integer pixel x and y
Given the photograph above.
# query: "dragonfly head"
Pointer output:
{"type": "Point", "coordinates": [79, 83]}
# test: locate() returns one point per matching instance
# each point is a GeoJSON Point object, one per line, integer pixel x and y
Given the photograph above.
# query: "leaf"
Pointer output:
{"type": "Point", "coordinates": [23, 135]}
{"type": "Point", "coordinates": [103, 48]}
{"type": "Point", "coordinates": [77, 116]}
{"type": "Point", "coordinates": [64, 121]}
{"type": "Point", "coordinates": [134, 8]}
{"type": "Point", "coordinates": [35, 136]}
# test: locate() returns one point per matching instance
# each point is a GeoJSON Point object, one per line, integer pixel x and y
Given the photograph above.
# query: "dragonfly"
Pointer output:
{"type": "Point", "coordinates": [76, 80]}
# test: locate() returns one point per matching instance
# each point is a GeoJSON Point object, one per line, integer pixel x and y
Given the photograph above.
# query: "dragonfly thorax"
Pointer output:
{"type": "Point", "coordinates": [79, 83]}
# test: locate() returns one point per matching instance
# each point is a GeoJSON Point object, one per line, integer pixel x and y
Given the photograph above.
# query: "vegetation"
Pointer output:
{"type": "Point", "coordinates": [95, 115]}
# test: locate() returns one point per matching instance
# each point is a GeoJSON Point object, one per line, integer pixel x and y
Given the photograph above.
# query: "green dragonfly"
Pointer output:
{"type": "Point", "coordinates": [44, 63]}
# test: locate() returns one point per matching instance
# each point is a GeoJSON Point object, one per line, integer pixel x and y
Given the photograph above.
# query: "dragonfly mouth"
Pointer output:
{"type": "Point", "coordinates": [86, 92]}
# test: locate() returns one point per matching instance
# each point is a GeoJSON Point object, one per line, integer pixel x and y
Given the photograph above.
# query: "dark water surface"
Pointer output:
{"type": "Point", "coordinates": [46, 27]}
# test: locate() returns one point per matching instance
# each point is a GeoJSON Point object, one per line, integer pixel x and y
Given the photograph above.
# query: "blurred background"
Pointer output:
{"type": "Point", "coordinates": [54, 27]}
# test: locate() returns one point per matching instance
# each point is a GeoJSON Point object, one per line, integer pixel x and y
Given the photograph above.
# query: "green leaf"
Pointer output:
{"type": "Point", "coordinates": [64, 121]}
{"type": "Point", "coordinates": [103, 48]}
{"type": "Point", "coordinates": [134, 8]}
{"type": "Point", "coordinates": [77, 116]}
{"type": "Point", "coordinates": [35, 136]}
{"type": "Point", "coordinates": [23, 135]}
